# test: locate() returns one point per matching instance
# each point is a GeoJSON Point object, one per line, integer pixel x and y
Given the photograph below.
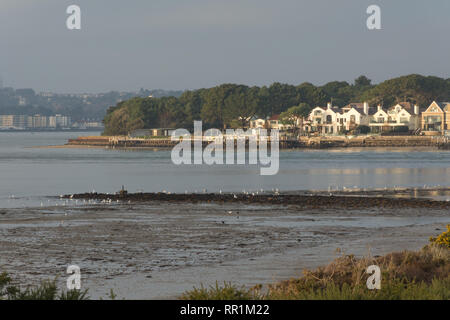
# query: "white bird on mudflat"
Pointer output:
{"type": "Point", "coordinates": [234, 196]}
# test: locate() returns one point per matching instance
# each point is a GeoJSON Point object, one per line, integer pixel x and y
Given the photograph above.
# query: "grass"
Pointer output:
{"type": "Point", "coordinates": [46, 291]}
{"type": "Point", "coordinates": [407, 275]}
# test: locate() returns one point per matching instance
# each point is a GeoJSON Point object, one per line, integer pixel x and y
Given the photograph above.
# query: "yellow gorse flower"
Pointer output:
{"type": "Point", "coordinates": [443, 239]}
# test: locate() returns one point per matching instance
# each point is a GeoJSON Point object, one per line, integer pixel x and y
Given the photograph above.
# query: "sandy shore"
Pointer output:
{"type": "Point", "coordinates": [151, 250]}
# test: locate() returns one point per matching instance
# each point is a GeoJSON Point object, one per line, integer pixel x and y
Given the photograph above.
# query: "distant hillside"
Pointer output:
{"type": "Point", "coordinates": [221, 106]}
{"type": "Point", "coordinates": [78, 106]}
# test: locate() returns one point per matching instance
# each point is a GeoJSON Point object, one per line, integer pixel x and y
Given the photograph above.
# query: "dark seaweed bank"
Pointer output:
{"type": "Point", "coordinates": [300, 200]}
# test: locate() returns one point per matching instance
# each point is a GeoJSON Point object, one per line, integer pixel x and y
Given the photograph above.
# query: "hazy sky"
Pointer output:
{"type": "Point", "coordinates": [189, 44]}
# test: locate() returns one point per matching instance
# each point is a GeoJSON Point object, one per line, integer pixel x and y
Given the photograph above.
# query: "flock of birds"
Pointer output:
{"type": "Point", "coordinates": [70, 201]}
{"type": "Point", "coordinates": [275, 191]}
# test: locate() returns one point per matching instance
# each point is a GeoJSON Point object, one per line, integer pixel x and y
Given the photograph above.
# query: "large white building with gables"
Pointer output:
{"type": "Point", "coordinates": [335, 120]}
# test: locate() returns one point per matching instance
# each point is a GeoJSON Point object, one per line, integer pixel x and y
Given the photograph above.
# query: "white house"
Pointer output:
{"type": "Point", "coordinates": [379, 120]}
{"type": "Point", "coordinates": [323, 120]}
{"type": "Point", "coordinates": [354, 115]}
{"type": "Point", "coordinates": [404, 114]}
{"type": "Point", "coordinates": [273, 122]}
{"type": "Point", "coordinates": [256, 123]}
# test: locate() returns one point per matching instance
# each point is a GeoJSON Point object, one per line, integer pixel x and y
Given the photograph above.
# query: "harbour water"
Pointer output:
{"type": "Point", "coordinates": [159, 250]}
{"type": "Point", "coordinates": [30, 174]}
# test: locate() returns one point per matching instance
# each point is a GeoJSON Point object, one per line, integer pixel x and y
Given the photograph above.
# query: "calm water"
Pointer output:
{"type": "Point", "coordinates": [28, 175]}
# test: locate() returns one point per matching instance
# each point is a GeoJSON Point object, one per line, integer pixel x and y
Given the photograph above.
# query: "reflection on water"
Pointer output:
{"type": "Point", "coordinates": [29, 173]}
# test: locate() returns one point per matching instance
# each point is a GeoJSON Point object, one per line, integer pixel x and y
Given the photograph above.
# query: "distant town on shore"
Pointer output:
{"type": "Point", "coordinates": [24, 109]}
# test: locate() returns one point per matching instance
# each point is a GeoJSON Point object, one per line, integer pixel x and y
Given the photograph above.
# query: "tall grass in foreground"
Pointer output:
{"type": "Point", "coordinates": [407, 275]}
{"type": "Point", "coordinates": [46, 291]}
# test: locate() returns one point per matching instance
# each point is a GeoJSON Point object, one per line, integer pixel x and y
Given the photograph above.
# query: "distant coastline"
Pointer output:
{"type": "Point", "coordinates": [53, 130]}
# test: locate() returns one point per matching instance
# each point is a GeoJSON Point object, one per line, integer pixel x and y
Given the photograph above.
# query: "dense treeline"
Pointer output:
{"type": "Point", "coordinates": [231, 105]}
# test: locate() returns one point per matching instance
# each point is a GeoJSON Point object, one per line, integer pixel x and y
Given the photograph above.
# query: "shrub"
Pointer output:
{"type": "Point", "coordinates": [227, 292]}
{"type": "Point", "coordinates": [362, 129]}
{"type": "Point", "coordinates": [46, 291]}
{"type": "Point", "coordinates": [405, 275]}
{"type": "Point", "coordinates": [443, 239]}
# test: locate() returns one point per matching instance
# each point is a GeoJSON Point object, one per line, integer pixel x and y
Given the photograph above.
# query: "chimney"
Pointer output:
{"type": "Point", "coordinates": [379, 108]}
{"type": "Point", "coordinates": [366, 108]}
{"type": "Point", "coordinates": [329, 105]}
{"type": "Point", "coordinates": [416, 109]}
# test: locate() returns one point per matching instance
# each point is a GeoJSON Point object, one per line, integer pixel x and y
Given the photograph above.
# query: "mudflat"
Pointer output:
{"type": "Point", "coordinates": [158, 249]}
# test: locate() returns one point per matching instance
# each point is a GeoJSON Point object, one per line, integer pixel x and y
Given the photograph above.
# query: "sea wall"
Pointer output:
{"type": "Point", "coordinates": [303, 142]}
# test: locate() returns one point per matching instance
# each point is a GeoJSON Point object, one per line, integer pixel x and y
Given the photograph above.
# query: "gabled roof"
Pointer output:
{"type": "Point", "coordinates": [408, 106]}
{"type": "Point", "coordinates": [441, 105]}
{"type": "Point", "coordinates": [355, 105]}
{"type": "Point", "coordinates": [274, 117]}
{"type": "Point", "coordinates": [336, 109]}
{"type": "Point", "coordinates": [445, 106]}
{"type": "Point", "coordinates": [358, 106]}
{"type": "Point", "coordinates": [381, 110]}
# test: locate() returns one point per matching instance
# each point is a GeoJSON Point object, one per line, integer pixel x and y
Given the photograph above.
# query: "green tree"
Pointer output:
{"type": "Point", "coordinates": [294, 116]}
{"type": "Point", "coordinates": [240, 106]}
{"type": "Point", "coordinates": [362, 81]}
